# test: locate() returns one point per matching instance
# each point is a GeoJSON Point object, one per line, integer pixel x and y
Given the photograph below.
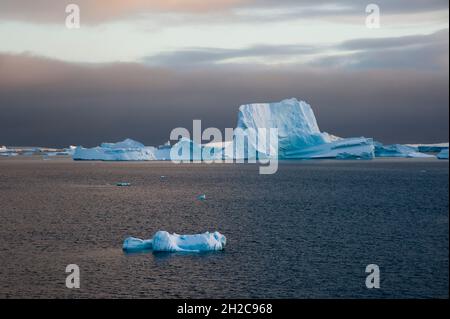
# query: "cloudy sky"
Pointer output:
{"type": "Point", "coordinates": [139, 68]}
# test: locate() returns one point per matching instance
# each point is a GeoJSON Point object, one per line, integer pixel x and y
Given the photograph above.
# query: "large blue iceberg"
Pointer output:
{"type": "Point", "coordinates": [299, 136]}
{"type": "Point", "coordinates": [163, 241]}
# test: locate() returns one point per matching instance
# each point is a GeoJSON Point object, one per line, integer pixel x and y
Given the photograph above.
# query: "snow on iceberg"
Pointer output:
{"type": "Point", "coordinates": [443, 154]}
{"type": "Point", "coordinates": [163, 241]}
{"type": "Point", "coordinates": [398, 150]}
{"type": "Point", "coordinates": [127, 150]}
{"type": "Point", "coordinates": [299, 136]}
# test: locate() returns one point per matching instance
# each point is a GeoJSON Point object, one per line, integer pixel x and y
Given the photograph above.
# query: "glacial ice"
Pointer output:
{"type": "Point", "coordinates": [163, 241]}
{"type": "Point", "coordinates": [430, 148]}
{"type": "Point", "coordinates": [127, 150]}
{"type": "Point", "coordinates": [299, 136]}
{"type": "Point", "coordinates": [162, 153]}
{"type": "Point", "coordinates": [6, 152]}
{"type": "Point", "coordinates": [443, 154]}
{"type": "Point", "coordinates": [398, 150]}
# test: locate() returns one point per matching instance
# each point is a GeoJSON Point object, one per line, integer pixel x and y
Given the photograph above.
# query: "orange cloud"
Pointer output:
{"type": "Point", "coordinates": [95, 11]}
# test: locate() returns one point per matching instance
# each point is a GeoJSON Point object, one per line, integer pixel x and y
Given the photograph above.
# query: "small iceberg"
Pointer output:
{"type": "Point", "coordinates": [123, 184]}
{"type": "Point", "coordinates": [162, 241]}
{"type": "Point", "coordinates": [127, 150]}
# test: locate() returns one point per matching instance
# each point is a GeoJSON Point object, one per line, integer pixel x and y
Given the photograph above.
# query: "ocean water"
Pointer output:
{"type": "Point", "coordinates": [308, 231]}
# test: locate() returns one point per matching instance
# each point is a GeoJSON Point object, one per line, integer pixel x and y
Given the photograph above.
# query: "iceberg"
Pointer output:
{"type": "Point", "coordinates": [430, 148]}
{"type": "Point", "coordinates": [299, 136]}
{"type": "Point", "coordinates": [6, 152]}
{"type": "Point", "coordinates": [398, 150]}
{"type": "Point", "coordinates": [127, 150]}
{"type": "Point", "coordinates": [443, 154]}
{"type": "Point", "coordinates": [132, 244]}
{"type": "Point", "coordinates": [162, 153]}
{"type": "Point", "coordinates": [162, 241]}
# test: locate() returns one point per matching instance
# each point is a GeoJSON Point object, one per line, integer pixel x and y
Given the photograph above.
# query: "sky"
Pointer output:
{"type": "Point", "coordinates": [140, 68]}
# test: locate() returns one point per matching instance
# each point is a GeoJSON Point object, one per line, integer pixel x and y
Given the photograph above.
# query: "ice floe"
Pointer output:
{"type": "Point", "coordinates": [163, 241]}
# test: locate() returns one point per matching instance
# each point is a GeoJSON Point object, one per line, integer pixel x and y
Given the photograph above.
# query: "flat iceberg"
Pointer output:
{"type": "Point", "coordinates": [163, 241]}
{"type": "Point", "coordinates": [443, 154]}
{"type": "Point", "coordinates": [299, 136]}
{"type": "Point", "coordinates": [127, 150]}
{"type": "Point", "coordinates": [399, 150]}
{"type": "Point", "coordinates": [430, 148]}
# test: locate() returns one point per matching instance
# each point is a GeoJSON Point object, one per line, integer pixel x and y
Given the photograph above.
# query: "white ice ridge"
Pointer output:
{"type": "Point", "coordinates": [127, 150]}
{"type": "Point", "coordinates": [163, 241]}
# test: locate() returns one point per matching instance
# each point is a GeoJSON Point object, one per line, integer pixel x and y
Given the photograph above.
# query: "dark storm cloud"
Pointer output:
{"type": "Point", "coordinates": [396, 42]}
{"type": "Point", "coordinates": [414, 51]}
{"type": "Point", "coordinates": [46, 102]}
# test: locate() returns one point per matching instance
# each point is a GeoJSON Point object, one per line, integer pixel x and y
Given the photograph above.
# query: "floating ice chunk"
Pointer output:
{"type": "Point", "coordinates": [136, 244]}
{"type": "Point", "coordinates": [163, 241]}
{"type": "Point", "coordinates": [443, 154]}
{"type": "Point", "coordinates": [127, 150]}
{"type": "Point", "coordinates": [123, 184]}
{"type": "Point", "coordinates": [398, 150]}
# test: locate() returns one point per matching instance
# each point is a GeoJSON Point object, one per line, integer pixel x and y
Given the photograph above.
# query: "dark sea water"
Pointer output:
{"type": "Point", "coordinates": [308, 231]}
